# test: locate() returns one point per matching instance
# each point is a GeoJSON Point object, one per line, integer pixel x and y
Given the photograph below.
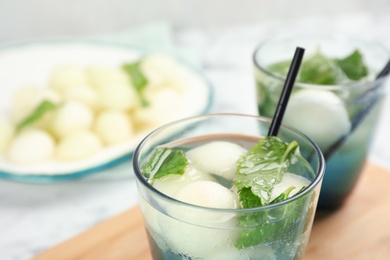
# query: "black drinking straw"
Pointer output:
{"type": "Point", "coordinates": [287, 88]}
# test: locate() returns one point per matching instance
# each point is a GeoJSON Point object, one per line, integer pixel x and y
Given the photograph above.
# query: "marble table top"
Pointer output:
{"type": "Point", "coordinates": [36, 217]}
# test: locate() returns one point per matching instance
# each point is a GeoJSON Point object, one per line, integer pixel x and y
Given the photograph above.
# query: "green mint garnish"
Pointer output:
{"type": "Point", "coordinates": [353, 66]}
{"type": "Point", "coordinates": [321, 70]}
{"type": "Point", "coordinates": [258, 172]}
{"type": "Point", "coordinates": [138, 78]}
{"type": "Point", "coordinates": [318, 69]}
{"type": "Point", "coordinates": [261, 169]}
{"type": "Point", "coordinates": [38, 112]}
{"type": "Point", "coordinates": [163, 162]}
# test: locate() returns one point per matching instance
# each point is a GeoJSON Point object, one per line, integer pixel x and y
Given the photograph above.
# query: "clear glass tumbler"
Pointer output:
{"type": "Point", "coordinates": [340, 118]}
{"type": "Point", "coordinates": [177, 230]}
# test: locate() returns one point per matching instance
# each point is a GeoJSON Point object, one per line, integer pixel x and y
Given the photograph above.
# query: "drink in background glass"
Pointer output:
{"type": "Point", "coordinates": [221, 230]}
{"type": "Point", "coordinates": [334, 96]}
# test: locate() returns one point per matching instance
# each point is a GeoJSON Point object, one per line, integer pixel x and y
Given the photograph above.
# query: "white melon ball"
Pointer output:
{"type": "Point", "coordinates": [162, 70]}
{"type": "Point", "coordinates": [164, 106]}
{"type": "Point", "coordinates": [117, 96]}
{"type": "Point", "coordinates": [230, 252]}
{"type": "Point", "coordinates": [290, 179]}
{"type": "Point", "coordinates": [171, 184]}
{"type": "Point", "coordinates": [200, 231]}
{"type": "Point", "coordinates": [6, 133]}
{"type": "Point", "coordinates": [218, 158]}
{"type": "Point", "coordinates": [27, 99]}
{"type": "Point", "coordinates": [194, 240]}
{"type": "Point", "coordinates": [78, 146]}
{"type": "Point", "coordinates": [99, 76]}
{"type": "Point", "coordinates": [31, 146]}
{"type": "Point", "coordinates": [113, 127]}
{"type": "Point", "coordinates": [66, 76]}
{"type": "Point", "coordinates": [82, 94]}
{"type": "Point", "coordinates": [207, 194]}
{"type": "Point", "coordinates": [71, 117]}
{"type": "Point", "coordinates": [320, 114]}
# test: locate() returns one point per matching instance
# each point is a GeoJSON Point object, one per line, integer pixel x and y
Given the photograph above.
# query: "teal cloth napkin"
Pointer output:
{"type": "Point", "coordinates": [155, 37]}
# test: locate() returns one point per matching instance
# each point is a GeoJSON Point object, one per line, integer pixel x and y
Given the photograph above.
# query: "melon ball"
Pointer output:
{"type": "Point", "coordinates": [82, 94]}
{"type": "Point", "coordinates": [200, 231]}
{"type": "Point", "coordinates": [290, 179]}
{"type": "Point", "coordinates": [117, 96]}
{"type": "Point", "coordinates": [113, 127]}
{"type": "Point", "coordinates": [164, 106]}
{"type": "Point", "coordinates": [31, 146]}
{"type": "Point", "coordinates": [78, 146]}
{"type": "Point", "coordinates": [27, 99]}
{"type": "Point", "coordinates": [171, 184]}
{"type": "Point", "coordinates": [99, 76]}
{"type": "Point", "coordinates": [217, 157]}
{"type": "Point", "coordinates": [162, 70]}
{"type": "Point", "coordinates": [6, 133]}
{"type": "Point", "coordinates": [66, 76]}
{"type": "Point", "coordinates": [195, 240]}
{"type": "Point", "coordinates": [320, 114]}
{"type": "Point", "coordinates": [71, 117]}
{"type": "Point", "coordinates": [207, 194]}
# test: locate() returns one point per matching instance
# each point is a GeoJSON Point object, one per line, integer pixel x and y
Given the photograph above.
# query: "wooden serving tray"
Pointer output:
{"type": "Point", "coordinates": [359, 230]}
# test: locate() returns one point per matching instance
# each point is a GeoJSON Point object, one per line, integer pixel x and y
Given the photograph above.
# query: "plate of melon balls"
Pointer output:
{"type": "Point", "coordinates": [70, 108]}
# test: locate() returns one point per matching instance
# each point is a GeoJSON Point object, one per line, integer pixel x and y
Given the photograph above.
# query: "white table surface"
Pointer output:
{"type": "Point", "coordinates": [36, 217]}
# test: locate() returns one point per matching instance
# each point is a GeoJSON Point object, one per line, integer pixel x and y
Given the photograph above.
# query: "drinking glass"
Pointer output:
{"type": "Point", "coordinates": [177, 230]}
{"type": "Point", "coordinates": [341, 118]}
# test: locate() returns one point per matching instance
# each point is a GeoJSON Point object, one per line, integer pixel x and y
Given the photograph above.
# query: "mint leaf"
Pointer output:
{"type": "Point", "coordinates": [38, 112]}
{"type": "Point", "coordinates": [281, 227]}
{"type": "Point", "coordinates": [262, 168]}
{"type": "Point", "coordinates": [353, 66]}
{"type": "Point", "coordinates": [163, 162]}
{"type": "Point", "coordinates": [138, 78]}
{"type": "Point", "coordinates": [318, 69]}
{"type": "Point", "coordinates": [248, 199]}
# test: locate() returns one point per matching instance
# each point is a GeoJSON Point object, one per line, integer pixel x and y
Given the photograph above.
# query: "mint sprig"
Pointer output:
{"type": "Point", "coordinates": [319, 69]}
{"type": "Point", "coordinates": [165, 161]}
{"type": "Point", "coordinates": [322, 70]}
{"type": "Point", "coordinates": [261, 169]}
{"type": "Point", "coordinates": [44, 107]}
{"type": "Point", "coordinates": [258, 172]}
{"type": "Point", "coordinates": [138, 79]}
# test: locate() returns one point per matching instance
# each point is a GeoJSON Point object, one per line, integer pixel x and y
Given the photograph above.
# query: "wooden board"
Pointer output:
{"type": "Point", "coordinates": [359, 230]}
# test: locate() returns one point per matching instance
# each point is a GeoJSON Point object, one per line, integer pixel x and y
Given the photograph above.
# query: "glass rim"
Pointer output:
{"type": "Point", "coordinates": [319, 173]}
{"type": "Point", "coordinates": [339, 37]}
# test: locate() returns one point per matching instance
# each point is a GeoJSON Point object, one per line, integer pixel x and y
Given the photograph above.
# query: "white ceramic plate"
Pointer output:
{"type": "Point", "coordinates": [31, 63]}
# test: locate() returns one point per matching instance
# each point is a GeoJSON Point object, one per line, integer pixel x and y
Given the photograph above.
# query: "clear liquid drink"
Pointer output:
{"type": "Point", "coordinates": [199, 214]}
{"type": "Point", "coordinates": [334, 100]}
